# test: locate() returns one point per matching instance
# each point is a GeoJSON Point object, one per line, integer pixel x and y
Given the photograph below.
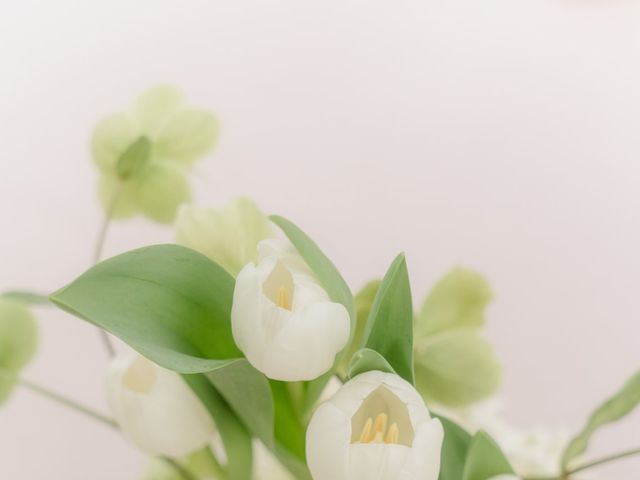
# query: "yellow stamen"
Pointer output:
{"type": "Point", "coordinates": [380, 425]}
{"type": "Point", "coordinates": [282, 300]}
{"type": "Point", "coordinates": [366, 431]}
{"type": "Point", "coordinates": [393, 434]}
{"type": "Point", "coordinates": [378, 438]}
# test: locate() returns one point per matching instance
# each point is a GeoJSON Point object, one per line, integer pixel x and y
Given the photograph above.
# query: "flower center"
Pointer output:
{"type": "Point", "coordinates": [377, 431]}
{"type": "Point", "coordinates": [278, 287]}
{"type": "Point", "coordinates": [382, 418]}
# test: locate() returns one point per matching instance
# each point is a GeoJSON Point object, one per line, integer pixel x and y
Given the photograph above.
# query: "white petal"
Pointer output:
{"type": "Point", "coordinates": [306, 343]}
{"type": "Point", "coordinates": [328, 439]}
{"type": "Point", "coordinates": [423, 461]}
{"type": "Point", "coordinates": [377, 461]}
{"type": "Point", "coordinates": [155, 409]}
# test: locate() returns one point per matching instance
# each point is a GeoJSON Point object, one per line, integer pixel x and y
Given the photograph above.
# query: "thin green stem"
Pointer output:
{"type": "Point", "coordinates": [607, 459]}
{"type": "Point", "coordinates": [61, 399]}
{"type": "Point", "coordinates": [97, 255]}
{"type": "Point", "coordinates": [30, 298]}
{"type": "Point", "coordinates": [595, 463]}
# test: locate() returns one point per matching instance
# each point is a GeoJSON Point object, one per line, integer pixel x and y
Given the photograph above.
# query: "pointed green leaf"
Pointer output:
{"type": "Point", "coordinates": [248, 393]}
{"type": "Point", "coordinates": [485, 459]}
{"type": "Point", "coordinates": [615, 408]}
{"type": "Point", "coordinates": [366, 360]}
{"type": "Point", "coordinates": [389, 329]}
{"type": "Point", "coordinates": [456, 368]}
{"type": "Point", "coordinates": [18, 343]}
{"type": "Point", "coordinates": [168, 302]}
{"type": "Point", "coordinates": [454, 450]}
{"type": "Point", "coordinates": [235, 437]}
{"type": "Point", "coordinates": [457, 300]}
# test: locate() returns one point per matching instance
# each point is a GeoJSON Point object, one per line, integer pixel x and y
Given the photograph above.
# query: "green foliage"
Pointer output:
{"type": "Point", "coordinates": [389, 329]}
{"type": "Point", "coordinates": [18, 343]}
{"type": "Point", "coordinates": [485, 459]}
{"type": "Point", "coordinates": [25, 298]}
{"type": "Point", "coordinates": [366, 360]}
{"type": "Point", "coordinates": [458, 300]}
{"type": "Point", "coordinates": [248, 393]}
{"type": "Point", "coordinates": [454, 450]}
{"type": "Point", "coordinates": [456, 368]}
{"type": "Point", "coordinates": [168, 302]}
{"type": "Point", "coordinates": [363, 302]}
{"type": "Point", "coordinates": [615, 408]}
{"type": "Point", "coordinates": [235, 437]}
{"type": "Point", "coordinates": [455, 365]}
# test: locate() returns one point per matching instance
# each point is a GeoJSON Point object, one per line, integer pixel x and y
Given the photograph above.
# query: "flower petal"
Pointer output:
{"type": "Point", "coordinates": [18, 342]}
{"type": "Point", "coordinates": [155, 409]}
{"type": "Point", "coordinates": [327, 448]}
{"type": "Point", "coordinates": [423, 460]}
{"type": "Point", "coordinates": [118, 198]}
{"type": "Point", "coordinates": [228, 236]}
{"type": "Point", "coordinates": [161, 189]}
{"type": "Point", "coordinates": [155, 106]}
{"type": "Point", "coordinates": [188, 134]}
{"type": "Point", "coordinates": [111, 137]}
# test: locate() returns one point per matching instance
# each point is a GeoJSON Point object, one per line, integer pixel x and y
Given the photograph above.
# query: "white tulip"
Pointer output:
{"type": "Point", "coordinates": [155, 409]}
{"type": "Point", "coordinates": [283, 320]}
{"type": "Point", "coordinates": [375, 427]}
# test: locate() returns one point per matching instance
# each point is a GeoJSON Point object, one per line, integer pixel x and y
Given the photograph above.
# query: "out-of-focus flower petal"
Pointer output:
{"type": "Point", "coordinates": [161, 189]}
{"type": "Point", "coordinates": [188, 135]}
{"type": "Point", "coordinates": [111, 137]}
{"type": "Point", "coordinates": [155, 107]}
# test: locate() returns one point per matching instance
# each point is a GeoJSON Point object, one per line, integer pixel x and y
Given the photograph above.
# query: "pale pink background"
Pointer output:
{"type": "Point", "coordinates": [497, 134]}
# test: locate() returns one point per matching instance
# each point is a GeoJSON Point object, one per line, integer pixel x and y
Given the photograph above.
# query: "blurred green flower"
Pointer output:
{"type": "Point", "coordinates": [228, 236]}
{"type": "Point", "coordinates": [18, 343]}
{"type": "Point", "coordinates": [454, 363]}
{"type": "Point", "coordinates": [143, 154]}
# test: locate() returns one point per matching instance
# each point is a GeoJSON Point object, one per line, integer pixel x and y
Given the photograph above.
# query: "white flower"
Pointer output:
{"type": "Point", "coordinates": [282, 319]}
{"type": "Point", "coordinates": [155, 409]}
{"type": "Point", "coordinates": [376, 426]}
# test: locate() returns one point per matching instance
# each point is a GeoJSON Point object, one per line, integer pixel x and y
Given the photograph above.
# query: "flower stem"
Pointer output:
{"type": "Point", "coordinates": [97, 255]}
{"type": "Point", "coordinates": [595, 463]}
{"type": "Point", "coordinates": [182, 471]}
{"type": "Point", "coordinates": [61, 399]}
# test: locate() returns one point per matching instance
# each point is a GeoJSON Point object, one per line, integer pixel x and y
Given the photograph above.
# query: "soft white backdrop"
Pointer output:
{"type": "Point", "coordinates": [496, 134]}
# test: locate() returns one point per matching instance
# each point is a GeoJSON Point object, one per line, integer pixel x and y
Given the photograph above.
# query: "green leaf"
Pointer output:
{"type": "Point", "coordinates": [457, 300]}
{"type": "Point", "coordinates": [454, 450]}
{"type": "Point", "coordinates": [228, 236]}
{"type": "Point", "coordinates": [615, 408]}
{"type": "Point", "coordinates": [18, 343]}
{"type": "Point", "coordinates": [289, 432]}
{"type": "Point", "coordinates": [160, 190]}
{"type": "Point", "coordinates": [366, 360]}
{"type": "Point", "coordinates": [134, 158]}
{"type": "Point", "coordinates": [235, 437]}
{"type": "Point", "coordinates": [168, 302]}
{"type": "Point", "coordinates": [456, 368]}
{"type": "Point", "coordinates": [330, 279]}
{"type": "Point", "coordinates": [248, 393]}
{"type": "Point", "coordinates": [389, 328]}
{"type": "Point", "coordinates": [26, 298]}
{"type": "Point", "coordinates": [188, 135]}
{"type": "Point", "coordinates": [363, 300]}
{"type": "Point", "coordinates": [485, 459]}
